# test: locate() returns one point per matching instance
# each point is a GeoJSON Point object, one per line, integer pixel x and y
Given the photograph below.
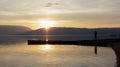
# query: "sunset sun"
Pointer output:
{"type": "Point", "coordinates": [47, 23]}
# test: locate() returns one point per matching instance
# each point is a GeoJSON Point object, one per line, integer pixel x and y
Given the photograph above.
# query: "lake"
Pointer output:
{"type": "Point", "coordinates": [14, 52]}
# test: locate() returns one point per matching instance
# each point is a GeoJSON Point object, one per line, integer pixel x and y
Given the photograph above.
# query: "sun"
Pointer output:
{"type": "Point", "coordinates": [47, 23]}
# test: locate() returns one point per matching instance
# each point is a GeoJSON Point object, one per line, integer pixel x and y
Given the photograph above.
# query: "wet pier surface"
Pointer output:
{"type": "Point", "coordinates": [116, 49]}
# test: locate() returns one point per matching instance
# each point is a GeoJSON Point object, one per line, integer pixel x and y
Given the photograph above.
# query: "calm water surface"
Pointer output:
{"type": "Point", "coordinates": [21, 55]}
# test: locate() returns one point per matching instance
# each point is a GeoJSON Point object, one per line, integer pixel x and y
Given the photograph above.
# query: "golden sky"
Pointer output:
{"type": "Point", "coordinates": [65, 13]}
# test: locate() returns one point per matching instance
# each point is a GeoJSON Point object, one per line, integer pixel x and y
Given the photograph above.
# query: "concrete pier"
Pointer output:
{"type": "Point", "coordinates": [116, 49]}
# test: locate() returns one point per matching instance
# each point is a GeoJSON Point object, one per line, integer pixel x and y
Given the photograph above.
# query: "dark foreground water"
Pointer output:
{"type": "Point", "coordinates": [14, 52]}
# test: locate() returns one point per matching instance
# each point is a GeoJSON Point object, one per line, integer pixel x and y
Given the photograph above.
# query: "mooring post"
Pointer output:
{"type": "Point", "coordinates": [95, 36]}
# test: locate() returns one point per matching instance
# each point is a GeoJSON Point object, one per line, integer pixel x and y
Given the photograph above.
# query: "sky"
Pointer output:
{"type": "Point", "coordinates": [65, 13]}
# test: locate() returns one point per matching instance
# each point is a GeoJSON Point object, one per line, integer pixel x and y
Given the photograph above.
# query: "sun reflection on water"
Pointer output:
{"type": "Point", "coordinates": [47, 47]}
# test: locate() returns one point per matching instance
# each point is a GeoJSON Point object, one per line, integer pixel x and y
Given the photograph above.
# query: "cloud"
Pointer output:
{"type": "Point", "coordinates": [92, 11]}
{"type": "Point", "coordinates": [106, 15]}
{"type": "Point", "coordinates": [39, 5]}
{"type": "Point", "coordinates": [51, 4]}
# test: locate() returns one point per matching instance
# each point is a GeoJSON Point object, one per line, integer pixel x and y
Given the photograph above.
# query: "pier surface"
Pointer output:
{"type": "Point", "coordinates": [102, 42]}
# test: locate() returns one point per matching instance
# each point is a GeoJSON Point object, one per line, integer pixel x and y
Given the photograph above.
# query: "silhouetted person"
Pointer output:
{"type": "Point", "coordinates": [95, 37]}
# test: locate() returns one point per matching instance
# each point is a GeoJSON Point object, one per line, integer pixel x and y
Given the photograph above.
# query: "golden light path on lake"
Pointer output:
{"type": "Point", "coordinates": [46, 47]}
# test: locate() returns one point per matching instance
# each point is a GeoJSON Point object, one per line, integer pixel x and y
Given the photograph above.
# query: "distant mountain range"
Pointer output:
{"type": "Point", "coordinates": [7, 29]}
{"type": "Point", "coordinates": [73, 31]}
{"type": "Point", "coordinates": [61, 32]}
{"type": "Point", "coordinates": [10, 30]}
